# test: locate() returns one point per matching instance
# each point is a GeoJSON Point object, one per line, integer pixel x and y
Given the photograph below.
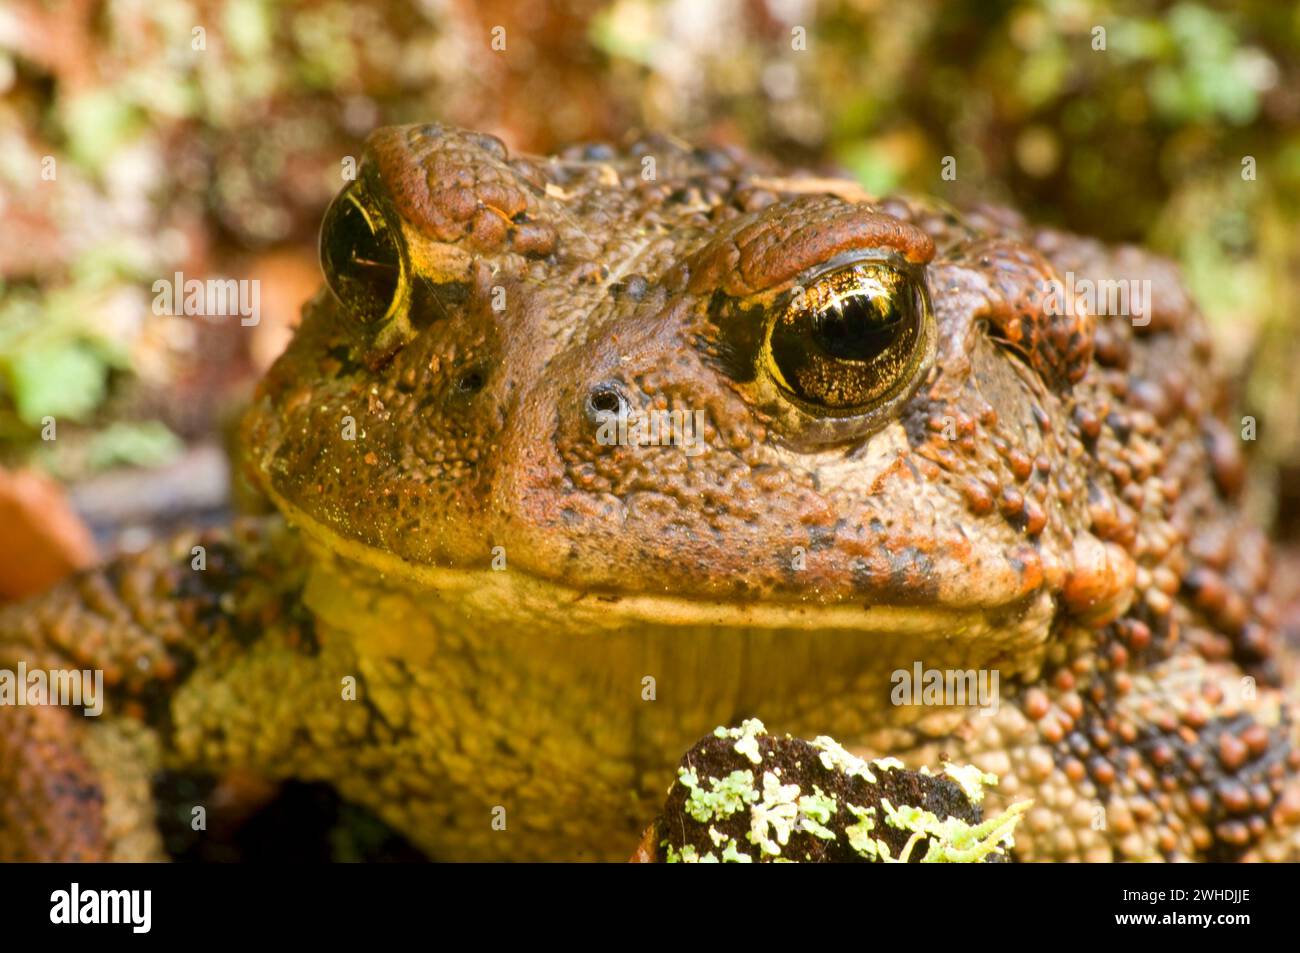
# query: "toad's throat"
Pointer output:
{"type": "Point", "coordinates": [515, 597]}
{"type": "Point", "coordinates": [594, 665]}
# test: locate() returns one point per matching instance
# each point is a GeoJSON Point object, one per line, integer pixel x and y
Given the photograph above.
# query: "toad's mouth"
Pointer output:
{"type": "Point", "coordinates": [520, 593]}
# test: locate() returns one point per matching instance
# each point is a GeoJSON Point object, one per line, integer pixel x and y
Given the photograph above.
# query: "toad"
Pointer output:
{"type": "Point", "coordinates": [578, 457]}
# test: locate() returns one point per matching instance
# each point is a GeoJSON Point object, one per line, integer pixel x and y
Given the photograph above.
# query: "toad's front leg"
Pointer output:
{"type": "Point", "coordinates": [207, 661]}
{"type": "Point", "coordinates": [1185, 760]}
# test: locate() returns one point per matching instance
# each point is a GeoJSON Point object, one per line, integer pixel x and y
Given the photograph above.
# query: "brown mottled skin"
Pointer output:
{"type": "Point", "coordinates": [540, 622]}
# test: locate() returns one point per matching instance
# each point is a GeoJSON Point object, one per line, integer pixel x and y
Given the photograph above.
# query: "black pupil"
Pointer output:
{"type": "Point", "coordinates": [856, 331]}
{"type": "Point", "coordinates": [360, 258]}
{"type": "Point", "coordinates": [850, 351]}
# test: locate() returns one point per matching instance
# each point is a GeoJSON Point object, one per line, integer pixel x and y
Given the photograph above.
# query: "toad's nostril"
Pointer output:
{"type": "Point", "coordinates": [605, 399]}
{"type": "Point", "coordinates": [470, 382]}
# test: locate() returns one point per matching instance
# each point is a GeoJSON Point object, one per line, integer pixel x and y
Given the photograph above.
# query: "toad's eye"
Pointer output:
{"type": "Point", "coordinates": [855, 340]}
{"type": "Point", "coordinates": [360, 256]}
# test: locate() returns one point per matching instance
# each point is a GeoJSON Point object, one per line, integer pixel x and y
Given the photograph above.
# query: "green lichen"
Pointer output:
{"type": "Point", "coordinates": [971, 779]}
{"type": "Point", "coordinates": [772, 819]}
{"type": "Point", "coordinates": [732, 855]}
{"type": "Point", "coordinates": [859, 834]}
{"type": "Point", "coordinates": [723, 797]}
{"type": "Point", "coordinates": [784, 810]}
{"type": "Point", "coordinates": [787, 802]}
{"type": "Point", "coordinates": [953, 840]}
{"type": "Point", "coordinates": [815, 811]}
{"type": "Point", "coordinates": [834, 758]}
{"type": "Point", "coordinates": [746, 737]}
{"type": "Point", "coordinates": [689, 855]}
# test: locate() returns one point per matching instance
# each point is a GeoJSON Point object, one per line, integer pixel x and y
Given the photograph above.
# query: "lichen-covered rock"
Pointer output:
{"type": "Point", "coordinates": [743, 795]}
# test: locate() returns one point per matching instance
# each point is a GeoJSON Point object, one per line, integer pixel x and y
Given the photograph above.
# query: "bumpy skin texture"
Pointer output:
{"type": "Point", "coordinates": [1053, 501]}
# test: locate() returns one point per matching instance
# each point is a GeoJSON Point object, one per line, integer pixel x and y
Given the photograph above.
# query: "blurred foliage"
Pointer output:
{"type": "Point", "coordinates": [1130, 121]}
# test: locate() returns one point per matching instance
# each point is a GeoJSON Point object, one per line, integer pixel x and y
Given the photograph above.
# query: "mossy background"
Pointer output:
{"type": "Point", "coordinates": [217, 158]}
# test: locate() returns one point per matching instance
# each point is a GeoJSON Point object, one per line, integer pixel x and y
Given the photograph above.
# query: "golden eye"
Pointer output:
{"type": "Point", "coordinates": [360, 256]}
{"type": "Point", "coordinates": [855, 339]}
